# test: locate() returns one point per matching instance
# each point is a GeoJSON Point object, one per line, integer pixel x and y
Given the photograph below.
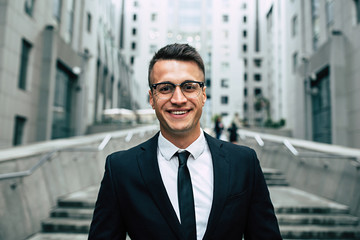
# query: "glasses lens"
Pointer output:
{"type": "Point", "coordinates": [190, 89]}
{"type": "Point", "coordinates": [166, 90]}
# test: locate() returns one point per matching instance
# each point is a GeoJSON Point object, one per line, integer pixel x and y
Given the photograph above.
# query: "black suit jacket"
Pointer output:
{"type": "Point", "coordinates": [133, 199]}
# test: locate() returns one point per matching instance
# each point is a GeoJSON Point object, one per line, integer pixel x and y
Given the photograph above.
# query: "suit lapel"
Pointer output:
{"type": "Point", "coordinates": [221, 183]}
{"type": "Point", "coordinates": [149, 169]}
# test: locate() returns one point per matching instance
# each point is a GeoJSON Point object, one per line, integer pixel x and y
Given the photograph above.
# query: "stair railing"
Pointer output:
{"type": "Point", "coordinates": [48, 156]}
{"type": "Point", "coordinates": [320, 150]}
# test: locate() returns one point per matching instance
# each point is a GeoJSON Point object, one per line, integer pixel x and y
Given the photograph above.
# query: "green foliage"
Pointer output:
{"type": "Point", "coordinates": [269, 123]}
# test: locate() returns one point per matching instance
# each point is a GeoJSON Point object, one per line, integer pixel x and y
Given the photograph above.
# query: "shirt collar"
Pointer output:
{"type": "Point", "coordinates": [167, 149]}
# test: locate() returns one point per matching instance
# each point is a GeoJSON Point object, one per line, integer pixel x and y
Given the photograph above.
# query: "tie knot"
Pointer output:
{"type": "Point", "coordinates": [183, 156]}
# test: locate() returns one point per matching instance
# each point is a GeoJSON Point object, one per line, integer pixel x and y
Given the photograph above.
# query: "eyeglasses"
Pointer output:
{"type": "Point", "coordinates": [165, 90]}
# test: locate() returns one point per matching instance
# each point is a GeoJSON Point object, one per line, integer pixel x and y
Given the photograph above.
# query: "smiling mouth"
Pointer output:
{"type": "Point", "coordinates": [178, 112]}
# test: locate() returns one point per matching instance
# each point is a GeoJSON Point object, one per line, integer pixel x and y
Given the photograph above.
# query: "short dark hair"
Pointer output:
{"type": "Point", "coordinates": [176, 51]}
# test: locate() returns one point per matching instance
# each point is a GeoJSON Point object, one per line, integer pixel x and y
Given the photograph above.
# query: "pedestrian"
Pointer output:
{"type": "Point", "coordinates": [219, 127]}
{"type": "Point", "coordinates": [182, 183]}
{"type": "Point", "coordinates": [233, 136]}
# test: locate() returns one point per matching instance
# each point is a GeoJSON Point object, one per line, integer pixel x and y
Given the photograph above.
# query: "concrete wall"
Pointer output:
{"type": "Point", "coordinates": [25, 201]}
{"type": "Point", "coordinates": [334, 177]}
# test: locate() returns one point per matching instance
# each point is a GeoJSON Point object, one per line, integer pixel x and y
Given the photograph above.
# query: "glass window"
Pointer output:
{"type": "Point", "coordinates": [245, 92]}
{"type": "Point", "coordinates": [29, 7]}
{"type": "Point", "coordinates": [244, 48]}
{"type": "Point", "coordinates": [294, 61]}
{"type": "Point", "coordinates": [57, 9]}
{"type": "Point", "coordinates": [70, 16]}
{"type": "Point", "coordinates": [269, 20]}
{"type": "Point", "coordinates": [294, 28]}
{"type": "Point", "coordinates": [245, 106]}
{"type": "Point", "coordinates": [134, 17]}
{"type": "Point", "coordinates": [225, 18]}
{"type": "Point", "coordinates": [257, 77]}
{"type": "Point", "coordinates": [88, 23]}
{"type": "Point", "coordinates": [244, 19]}
{"type": "Point", "coordinates": [24, 62]}
{"type": "Point", "coordinates": [315, 23]}
{"type": "Point", "coordinates": [132, 59]}
{"type": "Point", "coordinates": [133, 45]}
{"type": "Point", "coordinates": [208, 82]}
{"type": "Point", "coordinates": [244, 33]}
{"type": "Point", "coordinates": [329, 11]}
{"type": "Point", "coordinates": [257, 62]}
{"type": "Point", "coordinates": [224, 83]}
{"type": "Point", "coordinates": [224, 100]}
{"type": "Point", "coordinates": [257, 92]}
{"type": "Point", "coordinates": [357, 10]}
{"type": "Point", "coordinates": [245, 77]}
{"type": "Point", "coordinates": [153, 17]}
{"type": "Point", "coordinates": [19, 130]}
{"type": "Point", "coordinates": [153, 48]}
{"type": "Point", "coordinates": [62, 111]}
{"type": "Point", "coordinates": [134, 31]}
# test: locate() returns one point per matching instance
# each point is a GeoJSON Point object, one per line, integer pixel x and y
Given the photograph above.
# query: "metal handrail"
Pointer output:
{"type": "Point", "coordinates": [101, 146]}
{"type": "Point", "coordinates": [289, 144]}
{"type": "Point", "coordinates": [49, 155]}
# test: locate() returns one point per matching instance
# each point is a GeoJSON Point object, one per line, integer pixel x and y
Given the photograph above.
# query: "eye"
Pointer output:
{"type": "Point", "coordinates": [190, 87]}
{"type": "Point", "coordinates": [165, 88]}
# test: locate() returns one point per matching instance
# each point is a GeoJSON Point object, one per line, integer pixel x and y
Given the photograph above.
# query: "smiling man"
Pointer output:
{"type": "Point", "coordinates": [182, 183]}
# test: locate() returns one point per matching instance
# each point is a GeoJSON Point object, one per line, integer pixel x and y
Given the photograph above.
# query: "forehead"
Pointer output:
{"type": "Point", "coordinates": [176, 71]}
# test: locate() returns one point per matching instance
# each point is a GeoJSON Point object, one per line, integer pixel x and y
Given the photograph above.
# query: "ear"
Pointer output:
{"type": "Point", "coordinates": [151, 99]}
{"type": "Point", "coordinates": [204, 96]}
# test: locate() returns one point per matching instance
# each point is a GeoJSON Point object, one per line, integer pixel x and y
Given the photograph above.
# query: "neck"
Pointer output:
{"type": "Point", "coordinates": [182, 139]}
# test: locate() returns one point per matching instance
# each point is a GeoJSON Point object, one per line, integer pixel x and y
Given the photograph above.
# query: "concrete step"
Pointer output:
{"type": "Point", "coordinates": [274, 177]}
{"type": "Point", "coordinates": [75, 213]}
{"type": "Point", "coordinates": [59, 236]}
{"type": "Point", "coordinates": [66, 225]}
{"type": "Point", "coordinates": [292, 200]}
{"type": "Point", "coordinates": [85, 198]}
{"type": "Point", "coordinates": [310, 209]}
{"type": "Point", "coordinates": [319, 232]}
{"type": "Point", "coordinates": [77, 203]}
{"type": "Point", "coordinates": [276, 182]}
{"type": "Point", "coordinates": [317, 219]}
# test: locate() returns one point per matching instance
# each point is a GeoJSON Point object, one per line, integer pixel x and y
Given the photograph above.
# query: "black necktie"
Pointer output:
{"type": "Point", "coordinates": [186, 198]}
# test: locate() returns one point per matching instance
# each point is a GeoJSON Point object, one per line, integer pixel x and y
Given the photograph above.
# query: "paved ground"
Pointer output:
{"type": "Point", "coordinates": [285, 199]}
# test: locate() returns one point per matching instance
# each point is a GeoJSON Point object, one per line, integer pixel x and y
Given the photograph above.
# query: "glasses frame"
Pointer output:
{"type": "Point", "coordinates": [153, 87]}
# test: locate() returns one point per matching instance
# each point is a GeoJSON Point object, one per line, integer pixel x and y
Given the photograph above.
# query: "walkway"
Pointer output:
{"type": "Point", "coordinates": [301, 215]}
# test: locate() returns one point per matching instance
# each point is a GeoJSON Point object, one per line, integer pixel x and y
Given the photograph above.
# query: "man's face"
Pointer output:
{"type": "Point", "coordinates": [178, 115]}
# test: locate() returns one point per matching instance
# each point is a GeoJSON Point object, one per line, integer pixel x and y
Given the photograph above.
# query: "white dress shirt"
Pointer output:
{"type": "Point", "coordinates": [201, 173]}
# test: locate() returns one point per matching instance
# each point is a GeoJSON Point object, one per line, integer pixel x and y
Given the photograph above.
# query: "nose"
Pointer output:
{"type": "Point", "coordinates": [178, 97]}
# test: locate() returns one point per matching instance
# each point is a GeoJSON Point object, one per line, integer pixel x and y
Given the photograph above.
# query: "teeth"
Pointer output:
{"type": "Point", "coordinates": [178, 112]}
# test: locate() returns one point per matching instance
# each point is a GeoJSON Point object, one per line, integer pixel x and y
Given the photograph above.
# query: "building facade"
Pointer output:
{"type": "Point", "coordinates": [59, 67]}
{"type": "Point", "coordinates": [320, 40]}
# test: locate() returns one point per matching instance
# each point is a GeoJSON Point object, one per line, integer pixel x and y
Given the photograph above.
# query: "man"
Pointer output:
{"type": "Point", "coordinates": [217, 191]}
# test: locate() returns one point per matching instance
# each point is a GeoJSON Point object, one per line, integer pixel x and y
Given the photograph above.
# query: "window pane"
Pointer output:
{"type": "Point", "coordinates": [19, 130]}
{"type": "Point", "coordinates": [224, 83]}
{"type": "Point", "coordinates": [88, 22]}
{"type": "Point", "coordinates": [25, 52]}
{"type": "Point", "coordinates": [224, 99]}
{"type": "Point", "coordinates": [57, 9]}
{"type": "Point", "coordinates": [29, 7]}
{"type": "Point", "coordinates": [257, 77]}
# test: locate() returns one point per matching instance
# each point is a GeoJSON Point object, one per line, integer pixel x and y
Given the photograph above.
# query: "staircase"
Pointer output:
{"type": "Point", "coordinates": [301, 215]}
